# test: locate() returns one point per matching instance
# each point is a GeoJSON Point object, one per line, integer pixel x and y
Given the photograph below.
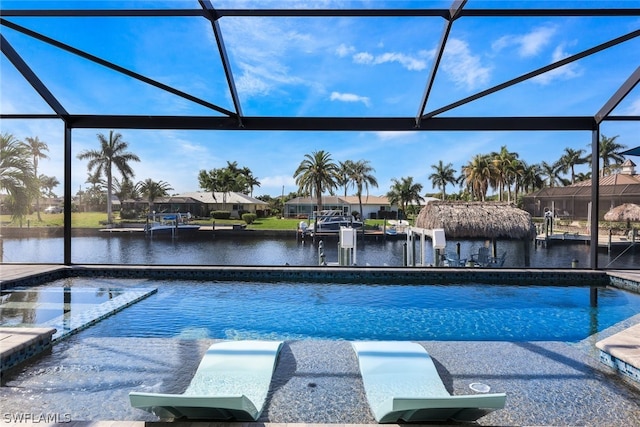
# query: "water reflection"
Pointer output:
{"type": "Point", "coordinates": [134, 249]}
{"type": "Point", "coordinates": [37, 305]}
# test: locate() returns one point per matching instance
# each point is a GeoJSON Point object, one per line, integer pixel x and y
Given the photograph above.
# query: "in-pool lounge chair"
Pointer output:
{"type": "Point", "coordinates": [231, 383]}
{"type": "Point", "coordinates": [402, 385]}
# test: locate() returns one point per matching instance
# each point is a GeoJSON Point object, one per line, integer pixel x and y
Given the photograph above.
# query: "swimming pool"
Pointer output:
{"type": "Point", "coordinates": [188, 309]}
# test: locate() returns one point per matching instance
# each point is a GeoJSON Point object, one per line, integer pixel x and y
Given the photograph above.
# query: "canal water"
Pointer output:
{"type": "Point", "coordinates": [125, 248]}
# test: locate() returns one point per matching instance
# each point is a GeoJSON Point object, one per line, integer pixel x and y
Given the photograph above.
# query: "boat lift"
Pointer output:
{"type": "Point", "coordinates": [347, 248]}
{"type": "Point", "coordinates": [438, 243]}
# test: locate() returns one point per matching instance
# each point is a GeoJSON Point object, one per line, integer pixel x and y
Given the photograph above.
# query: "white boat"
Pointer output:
{"type": "Point", "coordinates": [169, 223]}
{"type": "Point", "coordinates": [330, 221]}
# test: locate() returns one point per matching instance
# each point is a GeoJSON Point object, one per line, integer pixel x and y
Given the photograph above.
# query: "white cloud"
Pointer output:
{"type": "Point", "coordinates": [261, 49]}
{"type": "Point", "coordinates": [462, 67]}
{"type": "Point", "coordinates": [411, 63]}
{"type": "Point", "coordinates": [565, 72]}
{"type": "Point", "coordinates": [529, 44]}
{"type": "Point", "coordinates": [344, 50]}
{"type": "Point", "coordinates": [349, 97]}
{"type": "Point", "coordinates": [275, 181]}
{"type": "Point", "coordinates": [634, 108]}
{"type": "Point", "coordinates": [363, 58]}
{"type": "Point", "coordinates": [395, 135]}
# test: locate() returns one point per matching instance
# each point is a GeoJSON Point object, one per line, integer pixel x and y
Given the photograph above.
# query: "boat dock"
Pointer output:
{"type": "Point", "coordinates": [604, 241]}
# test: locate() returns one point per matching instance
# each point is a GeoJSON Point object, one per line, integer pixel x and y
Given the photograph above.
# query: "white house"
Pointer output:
{"type": "Point", "coordinates": [373, 207]}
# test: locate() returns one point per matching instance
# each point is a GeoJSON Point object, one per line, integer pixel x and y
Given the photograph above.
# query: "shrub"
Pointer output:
{"type": "Point", "coordinates": [128, 214]}
{"type": "Point", "coordinates": [249, 217]}
{"type": "Point", "coordinates": [220, 214]}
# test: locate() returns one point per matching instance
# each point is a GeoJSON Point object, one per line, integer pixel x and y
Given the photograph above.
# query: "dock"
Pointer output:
{"type": "Point", "coordinates": [604, 241]}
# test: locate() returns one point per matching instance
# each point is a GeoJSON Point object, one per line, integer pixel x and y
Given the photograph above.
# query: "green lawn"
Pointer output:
{"type": "Point", "coordinates": [98, 219]}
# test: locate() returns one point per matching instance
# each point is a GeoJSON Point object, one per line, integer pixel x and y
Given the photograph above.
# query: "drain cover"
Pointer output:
{"type": "Point", "coordinates": [479, 387]}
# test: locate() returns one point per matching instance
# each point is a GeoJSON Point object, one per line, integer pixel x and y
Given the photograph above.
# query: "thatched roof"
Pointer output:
{"type": "Point", "coordinates": [624, 212]}
{"type": "Point", "coordinates": [489, 220]}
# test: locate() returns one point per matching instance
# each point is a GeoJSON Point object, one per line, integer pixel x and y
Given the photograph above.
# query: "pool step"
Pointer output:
{"type": "Point", "coordinates": [20, 344]}
{"type": "Point", "coordinates": [621, 352]}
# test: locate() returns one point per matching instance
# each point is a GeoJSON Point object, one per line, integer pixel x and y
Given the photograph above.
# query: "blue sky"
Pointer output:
{"type": "Point", "coordinates": [365, 67]}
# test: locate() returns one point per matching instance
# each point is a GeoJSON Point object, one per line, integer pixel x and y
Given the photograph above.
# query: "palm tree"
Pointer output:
{"type": "Point", "coordinates": [403, 192]}
{"type": "Point", "coordinates": [478, 174]}
{"type": "Point", "coordinates": [126, 189]}
{"type": "Point", "coordinates": [112, 153]}
{"type": "Point", "coordinates": [48, 183]}
{"type": "Point", "coordinates": [531, 177]}
{"type": "Point", "coordinates": [570, 159]}
{"type": "Point", "coordinates": [552, 172]}
{"type": "Point", "coordinates": [345, 170]}
{"type": "Point", "coordinates": [443, 175]}
{"type": "Point", "coordinates": [152, 190]}
{"type": "Point", "coordinates": [315, 174]}
{"type": "Point", "coordinates": [36, 149]}
{"type": "Point", "coordinates": [516, 170]}
{"type": "Point", "coordinates": [361, 174]}
{"type": "Point", "coordinates": [17, 177]}
{"type": "Point", "coordinates": [503, 169]}
{"type": "Point", "coordinates": [610, 152]}
{"type": "Point", "coordinates": [250, 180]}
{"type": "Point", "coordinates": [583, 176]}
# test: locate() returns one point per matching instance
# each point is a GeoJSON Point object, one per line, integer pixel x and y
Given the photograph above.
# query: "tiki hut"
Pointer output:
{"type": "Point", "coordinates": [480, 220]}
{"type": "Point", "coordinates": [625, 212]}
{"type": "Point", "coordinates": [477, 220]}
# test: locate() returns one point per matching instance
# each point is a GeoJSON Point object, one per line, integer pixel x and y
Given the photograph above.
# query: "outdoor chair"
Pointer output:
{"type": "Point", "coordinates": [231, 383]}
{"type": "Point", "coordinates": [402, 385]}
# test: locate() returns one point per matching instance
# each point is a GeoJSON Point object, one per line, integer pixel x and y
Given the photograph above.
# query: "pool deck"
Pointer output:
{"type": "Point", "coordinates": [547, 383]}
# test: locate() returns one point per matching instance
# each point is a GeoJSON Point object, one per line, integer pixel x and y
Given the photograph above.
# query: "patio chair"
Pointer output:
{"type": "Point", "coordinates": [482, 258]}
{"type": "Point", "coordinates": [453, 260]}
{"type": "Point", "coordinates": [497, 261]}
{"type": "Point", "coordinates": [402, 385]}
{"type": "Point", "coordinates": [231, 383]}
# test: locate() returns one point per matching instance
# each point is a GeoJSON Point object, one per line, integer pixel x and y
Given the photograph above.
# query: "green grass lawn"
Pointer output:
{"type": "Point", "coordinates": [98, 219]}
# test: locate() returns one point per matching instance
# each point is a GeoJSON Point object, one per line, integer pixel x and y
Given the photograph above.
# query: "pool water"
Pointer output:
{"type": "Point", "coordinates": [291, 311]}
{"type": "Point", "coordinates": [27, 306]}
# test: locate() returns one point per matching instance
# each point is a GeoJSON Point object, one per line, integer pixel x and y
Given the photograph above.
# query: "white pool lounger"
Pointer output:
{"type": "Point", "coordinates": [231, 383]}
{"type": "Point", "coordinates": [402, 384]}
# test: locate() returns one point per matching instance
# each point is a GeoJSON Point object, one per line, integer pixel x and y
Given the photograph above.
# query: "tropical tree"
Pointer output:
{"type": "Point", "coordinates": [361, 174]}
{"type": "Point", "coordinates": [551, 171]}
{"type": "Point", "coordinates": [126, 189]}
{"type": "Point", "coordinates": [583, 176]}
{"type": "Point", "coordinates": [345, 170]}
{"type": "Point", "coordinates": [478, 174]}
{"type": "Point", "coordinates": [531, 178]}
{"type": "Point", "coordinates": [250, 181]}
{"type": "Point", "coordinates": [36, 149]}
{"type": "Point", "coordinates": [48, 183]}
{"type": "Point", "coordinates": [152, 190]}
{"type": "Point", "coordinates": [503, 170]}
{"type": "Point", "coordinates": [516, 170]}
{"type": "Point", "coordinates": [17, 177]}
{"type": "Point", "coordinates": [443, 175]}
{"type": "Point", "coordinates": [112, 153]}
{"type": "Point", "coordinates": [315, 174]}
{"type": "Point", "coordinates": [570, 159]}
{"type": "Point", "coordinates": [228, 179]}
{"type": "Point", "coordinates": [609, 153]}
{"type": "Point", "coordinates": [404, 192]}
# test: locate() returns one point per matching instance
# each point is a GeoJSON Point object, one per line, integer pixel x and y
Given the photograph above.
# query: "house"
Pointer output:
{"type": "Point", "coordinates": [236, 203]}
{"type": "Point", "coordinates": [201, 204]}
{"type": "Point", "coordinates": [573, 201]}
{"type": "Point", "coordinates": [373, 207]}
